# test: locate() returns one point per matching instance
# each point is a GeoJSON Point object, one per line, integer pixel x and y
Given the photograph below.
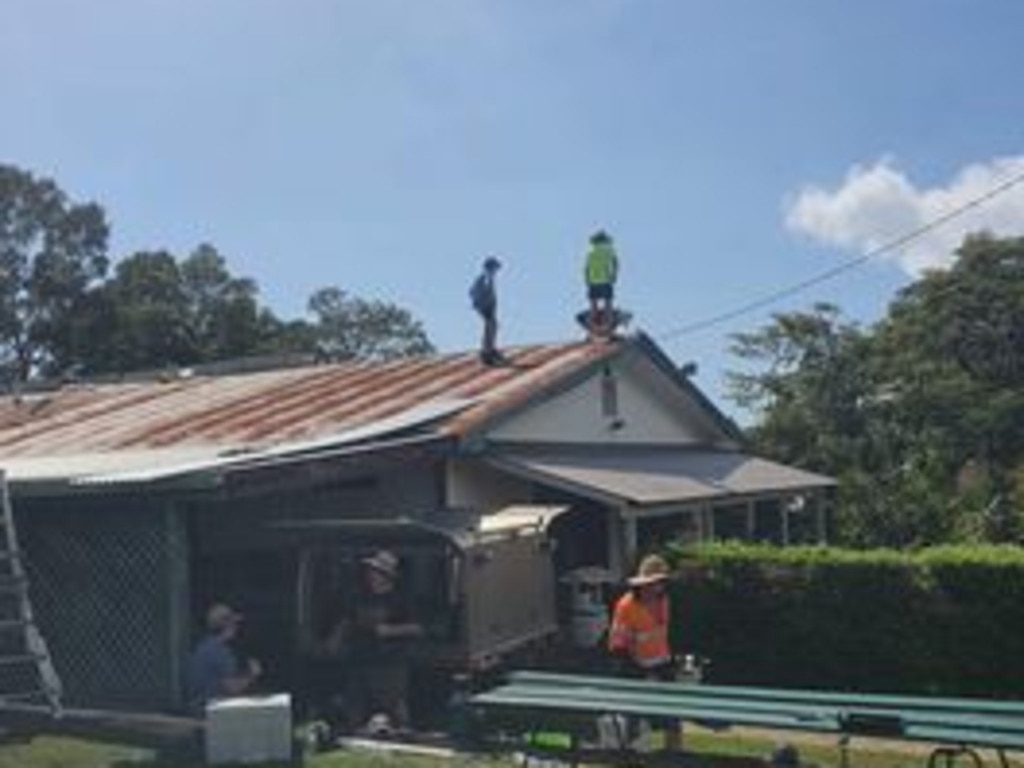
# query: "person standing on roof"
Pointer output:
{"type": "Point", "coordinates": [600, 273]}
{"type": "Point", "coordinates": [639, 634]}
{"type": "Point", "coordinates": [484, 297]}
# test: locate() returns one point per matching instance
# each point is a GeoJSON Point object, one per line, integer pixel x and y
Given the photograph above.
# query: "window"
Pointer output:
{"type": "Point", "coordinates": [677, 528]}
{"type": "Point", "coordinates": [731, 523]}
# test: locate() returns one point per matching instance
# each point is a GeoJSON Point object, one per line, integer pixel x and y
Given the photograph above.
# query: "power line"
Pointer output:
{"type": "Point", "coordinates": [892, 245]}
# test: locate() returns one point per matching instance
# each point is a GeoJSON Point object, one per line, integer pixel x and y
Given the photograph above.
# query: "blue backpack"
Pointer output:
{"type": "Point", "coordinates": [480, 293]}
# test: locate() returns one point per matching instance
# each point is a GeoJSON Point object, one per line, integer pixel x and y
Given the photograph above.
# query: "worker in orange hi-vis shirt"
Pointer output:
{"type": "Point", "coordinates": [638, 637]}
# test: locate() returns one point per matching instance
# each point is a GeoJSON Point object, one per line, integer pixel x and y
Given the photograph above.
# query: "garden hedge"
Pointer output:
{"type": "Point", "coordinates": [946, 621]}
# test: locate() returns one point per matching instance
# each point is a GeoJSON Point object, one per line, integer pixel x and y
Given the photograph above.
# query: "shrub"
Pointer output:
{"type": "Point", "coordinates": [946, 621]}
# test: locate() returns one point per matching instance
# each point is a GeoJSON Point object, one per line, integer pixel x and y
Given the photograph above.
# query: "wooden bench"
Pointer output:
{"type": "Point", "coordinates": [956, 727]}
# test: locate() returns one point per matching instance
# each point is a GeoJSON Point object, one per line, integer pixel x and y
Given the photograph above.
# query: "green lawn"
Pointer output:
{"type": "Point", "coordinates": [61, 752]}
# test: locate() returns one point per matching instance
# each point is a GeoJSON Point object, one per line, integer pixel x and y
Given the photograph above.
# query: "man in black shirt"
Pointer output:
{"type": "Point", "coordinates": [382, 631]}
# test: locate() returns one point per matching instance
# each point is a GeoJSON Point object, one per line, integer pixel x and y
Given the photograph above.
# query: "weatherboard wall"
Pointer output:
{"type": "Point", "coordinates": [627, 401]}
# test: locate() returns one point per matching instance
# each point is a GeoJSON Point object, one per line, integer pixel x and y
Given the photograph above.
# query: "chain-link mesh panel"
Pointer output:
{"type": "Point", "coordinates": [19, 676]}
{"type": "Point", "coordinates": [99, 584]}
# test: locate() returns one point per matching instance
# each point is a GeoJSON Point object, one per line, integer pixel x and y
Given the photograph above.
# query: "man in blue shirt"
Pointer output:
{"type": "Point", "coordinates": [213, 670]}
{"type": "Point", "coordinates": [485, 301]}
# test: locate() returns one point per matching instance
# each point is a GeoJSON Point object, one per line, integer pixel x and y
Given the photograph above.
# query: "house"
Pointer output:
{"type": "Point", "coordinates": [138, 501]}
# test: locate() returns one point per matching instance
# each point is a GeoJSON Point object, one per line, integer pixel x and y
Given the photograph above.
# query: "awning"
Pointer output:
{"type": "Point", "coordinates": [463, 528]}
{"type": "Point", "coordinates": [519, 517]}
{"type": "Point", "coordinates": [656, 476]}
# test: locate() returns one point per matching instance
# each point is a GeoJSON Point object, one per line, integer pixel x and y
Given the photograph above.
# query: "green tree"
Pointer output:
{"type": "Point", "coordinates": [149, 315]}
{"type": "Point", "coordinates": [279, 336]}
{"type": "Point", "coordinates": [59, 316]}
{"type": "Point", "coordinates": [223, 310]}
{"type": "Point", "coordinates": [51, 251]}
{"type": "Point", "coordinates": [950, 356]}
{"type": "Point", "coordinates": [156, 312]}
{"type": "Point", "coordinates": [810, 397]}
{"type": "Point", "coordinates": [919, 417]}
{"type": "Point", "coordinates": [350, 327]}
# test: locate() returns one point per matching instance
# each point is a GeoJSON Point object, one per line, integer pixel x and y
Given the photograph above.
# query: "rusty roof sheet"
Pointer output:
{"type": "Point", "coordinates": [256, 411]}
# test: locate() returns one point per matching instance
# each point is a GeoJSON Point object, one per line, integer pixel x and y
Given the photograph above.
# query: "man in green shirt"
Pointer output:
{"type": "Point", "coordinates": [600, 272]}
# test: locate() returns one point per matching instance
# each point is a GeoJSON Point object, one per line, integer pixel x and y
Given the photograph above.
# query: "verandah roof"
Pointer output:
{"type": "Point", "coordinates": [658, 475]}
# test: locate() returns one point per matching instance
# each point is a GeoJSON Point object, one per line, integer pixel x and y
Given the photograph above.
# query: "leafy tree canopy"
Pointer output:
{"type": "Point", "coordinates": [919, 417]}
{"type": "Point", "coordinates": [60, 313]}
{"type": "Point", "coordinates": [51, 251]}
{"type": "Point", "coordinates": [349, 327]}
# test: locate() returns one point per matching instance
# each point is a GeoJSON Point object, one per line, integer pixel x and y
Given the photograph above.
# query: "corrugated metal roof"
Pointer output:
{"type": "Point", "coordinates": [72, 466]}
{"type": "Point", "coordinates": [414, 417]}
{"type": "Point", "coordinates": [141, 428]}
{"type": "Point", "coordinates": [654, 476]}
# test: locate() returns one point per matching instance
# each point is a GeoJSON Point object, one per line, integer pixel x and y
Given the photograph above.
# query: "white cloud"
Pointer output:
{"type": "Point", "coordinates": [878, 204]}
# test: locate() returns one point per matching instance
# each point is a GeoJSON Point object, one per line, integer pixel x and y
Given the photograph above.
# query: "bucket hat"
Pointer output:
{"type": "Point", "coordinates": [652, 569]}
{"type": "Point", "coordinates": [384, 562]}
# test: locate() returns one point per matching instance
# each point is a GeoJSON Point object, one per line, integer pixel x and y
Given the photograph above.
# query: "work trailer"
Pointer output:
{"type": "Point", "coordinates": [482, 586]}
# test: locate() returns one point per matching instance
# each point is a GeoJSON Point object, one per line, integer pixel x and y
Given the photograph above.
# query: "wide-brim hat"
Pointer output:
{"type": "Point", "coordinates": [384, 562]}
{"type": "Point", "coordinates": [220, 615]}
{"type": "Point", "coordinates": [653, 569]}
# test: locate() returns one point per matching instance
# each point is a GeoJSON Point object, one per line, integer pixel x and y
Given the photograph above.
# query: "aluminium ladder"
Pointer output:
{"type": "Point", "coordinates": [27, 674]}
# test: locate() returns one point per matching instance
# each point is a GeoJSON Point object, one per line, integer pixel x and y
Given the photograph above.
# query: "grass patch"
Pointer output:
{"type": "Point", "coordinates": [61, 752]}
{"type": "Point", "coordinates": [824, 752]}
{"type": "Point", "coordinates": [58, 752]}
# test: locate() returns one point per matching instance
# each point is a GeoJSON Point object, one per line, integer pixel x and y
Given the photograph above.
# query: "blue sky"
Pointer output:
{"type": "Point", "coordinates": [732, 147]}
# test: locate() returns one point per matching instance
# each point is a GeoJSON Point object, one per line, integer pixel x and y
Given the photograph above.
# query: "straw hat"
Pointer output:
{"type": "Point", "coordinates": [383, 562]}
{"type": "Point", "coordinates": [653, 568]}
